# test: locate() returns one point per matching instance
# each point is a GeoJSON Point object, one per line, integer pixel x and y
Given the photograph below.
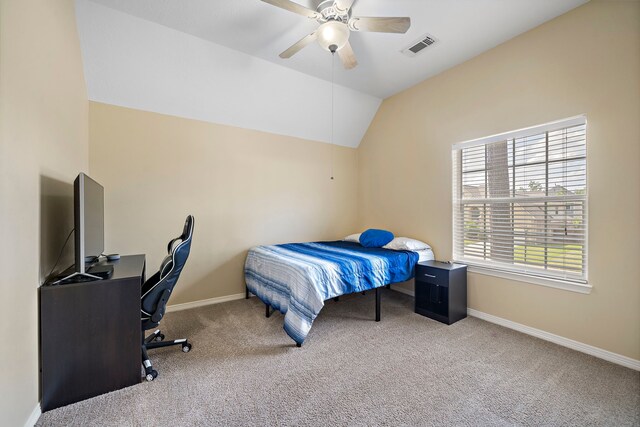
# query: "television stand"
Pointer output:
{"type": "Point", "coordinates": [90, 335]}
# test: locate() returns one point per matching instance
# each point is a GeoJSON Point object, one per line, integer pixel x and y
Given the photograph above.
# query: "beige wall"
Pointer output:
{"type": "Point", "coordinates": [586, 61]}
{"type": "Point", "coordinates": [43, 145]}
{"type": "Point", "coordinates": [247, 187]}
{"type": "Point", "coordinates": [244, 187]}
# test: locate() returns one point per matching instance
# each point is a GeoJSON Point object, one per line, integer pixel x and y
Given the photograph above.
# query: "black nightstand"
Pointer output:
{"type": "Point", "coordinates": [441, 291]}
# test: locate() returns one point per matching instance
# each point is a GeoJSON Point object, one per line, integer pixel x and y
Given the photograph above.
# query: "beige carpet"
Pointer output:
{"type": "Point", "coordinates": [406, 370]}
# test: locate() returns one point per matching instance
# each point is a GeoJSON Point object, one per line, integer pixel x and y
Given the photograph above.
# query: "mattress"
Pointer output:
{"type": "Point", "coordinates": [425, 255]}
{"type": "Point", "coordinates": [297, 278]}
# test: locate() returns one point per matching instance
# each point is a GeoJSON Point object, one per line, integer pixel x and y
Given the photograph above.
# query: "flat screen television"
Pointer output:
{"type": "Point", "coordinates": [89, 220]}
{"type": "Point", "coordinates": [88, 210]}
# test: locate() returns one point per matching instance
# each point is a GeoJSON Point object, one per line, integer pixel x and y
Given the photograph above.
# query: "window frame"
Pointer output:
{"type": "Point", "coordinates": [581, 284]}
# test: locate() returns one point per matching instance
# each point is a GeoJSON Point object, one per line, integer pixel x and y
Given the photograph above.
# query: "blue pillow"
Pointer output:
{"type": "Point", "coordinates": [373, 238]}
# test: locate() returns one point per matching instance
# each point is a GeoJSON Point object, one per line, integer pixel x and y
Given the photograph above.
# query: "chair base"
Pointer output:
{"type": "Point", "coordinates": [156, 340]}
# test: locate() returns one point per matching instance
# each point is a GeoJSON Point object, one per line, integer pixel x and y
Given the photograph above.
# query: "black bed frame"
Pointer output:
{"type": "Point", "coordinates": [269, 310]}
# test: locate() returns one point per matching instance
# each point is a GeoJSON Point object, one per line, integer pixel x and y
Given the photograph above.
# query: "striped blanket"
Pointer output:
{"type": "Point", "coordinates": [297, 278]}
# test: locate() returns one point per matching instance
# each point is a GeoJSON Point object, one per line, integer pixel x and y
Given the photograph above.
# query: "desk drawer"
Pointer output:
{"type": "Point", "coordinates": [432, 275]}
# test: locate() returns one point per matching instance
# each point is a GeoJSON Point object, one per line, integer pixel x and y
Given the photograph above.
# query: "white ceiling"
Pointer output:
{"type": "Point", "coordinates": [217, 60]}
{"type": "Point", "coordinates": [464, 29]}
{"type": "Point", "coordinates": [139, 64]}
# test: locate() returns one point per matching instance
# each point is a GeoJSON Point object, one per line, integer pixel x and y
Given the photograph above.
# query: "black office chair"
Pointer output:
{"type": "Point", "coordinates": [156, 292]}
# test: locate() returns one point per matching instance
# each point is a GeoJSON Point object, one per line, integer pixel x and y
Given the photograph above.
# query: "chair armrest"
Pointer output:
{"type": "Point", "coordinates": [150, 282]}
{"type": "Point", "coordinates": [161, 306]}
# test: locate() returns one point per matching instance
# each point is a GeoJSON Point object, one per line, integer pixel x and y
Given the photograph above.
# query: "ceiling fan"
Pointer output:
{"type": "Point", "coordinates": [336, 26]}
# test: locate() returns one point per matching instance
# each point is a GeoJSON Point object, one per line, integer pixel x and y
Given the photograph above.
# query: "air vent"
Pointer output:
{"type": "Point", "coordinates": [419, 46]}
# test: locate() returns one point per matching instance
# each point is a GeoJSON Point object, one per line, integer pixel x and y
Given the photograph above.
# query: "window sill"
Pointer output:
{"type": "Point", "coordinates": [542, 281]}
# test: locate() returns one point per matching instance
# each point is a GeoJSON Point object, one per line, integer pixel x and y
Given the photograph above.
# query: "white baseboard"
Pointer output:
{"type": "Point", "coordinates": [609, 356]}
{"type": "Point", "coordinates": [33, 418]}
{"type": "Point", "coordinates": [557, 339]}
{"type": "Point", "coordinates": [203, 302]}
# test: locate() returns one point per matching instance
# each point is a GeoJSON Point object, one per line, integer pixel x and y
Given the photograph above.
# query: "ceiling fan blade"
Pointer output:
{"type": "Point", "coordinates": [294, 7]}
{"type": "Point", "coordinates": [298, 46]}
{"type": "Point", "coordinates": [347, 56]}
{"type": "Point", "coordinates": [380, 25]}
{"type": "Point", "coordinates": [343, 5]}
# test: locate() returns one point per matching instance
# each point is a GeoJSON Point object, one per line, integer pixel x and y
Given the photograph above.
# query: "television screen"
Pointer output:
{"type": "Point", "coordinates": [89, 220]}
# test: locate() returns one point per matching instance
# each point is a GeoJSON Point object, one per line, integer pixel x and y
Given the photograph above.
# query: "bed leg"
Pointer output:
{"type": "Point", "coordinates": [364, 292]}
{"type": "Point", "coordinates": [377, 304]}
{"type": "Point", "coordinates": [388, 286]}
{"type": "Point", "coordinates": [336, 299]}
{"type": "Point", "coordinates": [268, 312]}
{"type": "Point", "coordinates": [246, 292]}
{"type": "Point", "coordinates": [298, 345]}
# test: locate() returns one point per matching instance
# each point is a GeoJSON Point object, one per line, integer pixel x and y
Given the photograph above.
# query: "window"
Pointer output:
{"type": "Point", "coordinates": [520, 202]}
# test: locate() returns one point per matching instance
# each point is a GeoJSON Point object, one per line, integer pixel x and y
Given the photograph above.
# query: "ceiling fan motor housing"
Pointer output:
{"type": "Point", "coordinates": [330, 12]}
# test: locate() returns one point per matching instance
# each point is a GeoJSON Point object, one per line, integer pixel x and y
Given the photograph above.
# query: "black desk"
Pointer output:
{"type": "Point", "coordinates": [90, 335]}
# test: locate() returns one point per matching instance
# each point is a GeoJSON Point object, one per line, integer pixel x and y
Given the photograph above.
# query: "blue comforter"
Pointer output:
{"type": "Point", "coordinates": [296, 278]}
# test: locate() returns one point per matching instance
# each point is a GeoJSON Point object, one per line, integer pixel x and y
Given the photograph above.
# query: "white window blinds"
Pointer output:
{"type": "Point", "coordinates": [520, 201]}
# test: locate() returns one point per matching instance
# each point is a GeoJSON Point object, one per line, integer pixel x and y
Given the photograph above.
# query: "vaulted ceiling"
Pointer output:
{"type": "Point", "coordinates": [218, 60]}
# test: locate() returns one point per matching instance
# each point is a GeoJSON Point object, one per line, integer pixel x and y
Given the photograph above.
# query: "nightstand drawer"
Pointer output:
{"type": "Point", "coordinates": [436, 276]}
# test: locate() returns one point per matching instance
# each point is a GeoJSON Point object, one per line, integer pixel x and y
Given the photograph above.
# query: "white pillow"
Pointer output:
{"type": "Point", "coordinates": [353, 238]}
{"type": "Point", "coordinates": [406, 244]}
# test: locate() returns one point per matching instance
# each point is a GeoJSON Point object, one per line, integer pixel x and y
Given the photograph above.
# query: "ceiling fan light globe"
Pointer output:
{"type": "Point", "coordinates": [333, 35]}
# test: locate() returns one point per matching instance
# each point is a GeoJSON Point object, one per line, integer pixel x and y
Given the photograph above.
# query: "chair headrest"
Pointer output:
{"type": "Point", "coordinates": [187, 231]}
{"type": "Point", "coordinates": [179, 249]}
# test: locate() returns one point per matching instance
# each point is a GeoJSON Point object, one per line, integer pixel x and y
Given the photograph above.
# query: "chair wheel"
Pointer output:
{"type": "Point", "coordinates": [159, 337]}
{"type": "Point", "coordinates": [186, 348]}
{"type": "Point", "coordinates": [152, 375]}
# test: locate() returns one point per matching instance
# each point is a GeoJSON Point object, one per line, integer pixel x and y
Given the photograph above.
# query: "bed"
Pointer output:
{"type": "Point", "coordinates": [297, 278]}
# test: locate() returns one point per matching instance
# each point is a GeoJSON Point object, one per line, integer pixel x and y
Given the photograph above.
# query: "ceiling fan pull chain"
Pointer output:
{"type": "Point", "coordinates": [333, 57]}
